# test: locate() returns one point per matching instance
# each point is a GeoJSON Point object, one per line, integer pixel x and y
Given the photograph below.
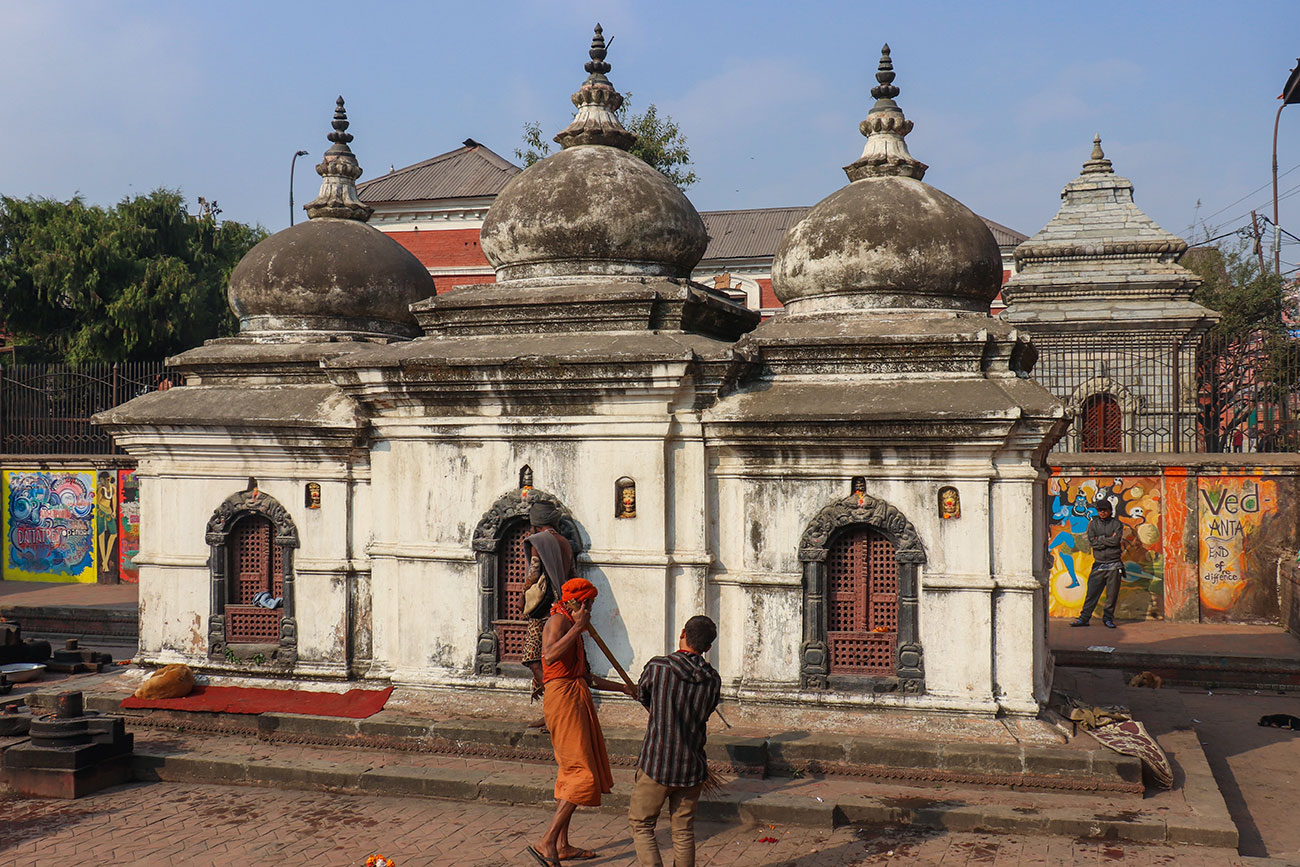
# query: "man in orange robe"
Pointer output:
{"type": "Point", "coordinates": [584, 772]}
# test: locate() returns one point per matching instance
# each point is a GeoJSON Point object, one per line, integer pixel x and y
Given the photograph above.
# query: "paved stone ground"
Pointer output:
{"type": "Point", "coordinates": [173, 824]}
{"type": "Point", "coordinates": [1254, 766]}
{"type": "Point", "coordinates": [53, 593]}
{"type": "Point", "coordinates": [1171, 637]}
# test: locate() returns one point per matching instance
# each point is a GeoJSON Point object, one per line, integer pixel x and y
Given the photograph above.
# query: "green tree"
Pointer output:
{"type": "Point", "coordinates": [1248, 367]}
{"type": "Point", "coordinates": [1249, 298]}
{"type": "Point", "coordinates": [659, 143]}
{"type": "Point", "coordinates": [140, 280]}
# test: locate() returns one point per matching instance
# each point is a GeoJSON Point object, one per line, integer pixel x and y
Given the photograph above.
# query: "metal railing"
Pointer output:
{"type": "Point", "coordinates": [46, 408]}
{"type": "Point", "coordinates": [1156, 394]}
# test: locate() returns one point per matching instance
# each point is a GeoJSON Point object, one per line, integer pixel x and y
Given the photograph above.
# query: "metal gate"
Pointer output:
{"type": "Point", "coordinates": [46, 408]}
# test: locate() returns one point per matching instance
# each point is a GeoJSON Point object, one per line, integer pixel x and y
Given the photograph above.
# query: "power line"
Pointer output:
{"type": "Point", "coordinates": [1248, 195]}
{"type": "Point", "coordinates": [1263, 205]}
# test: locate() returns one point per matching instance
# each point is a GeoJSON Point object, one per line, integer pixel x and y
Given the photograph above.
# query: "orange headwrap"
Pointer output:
{"type": "Point", "coordinates": [579, 589]}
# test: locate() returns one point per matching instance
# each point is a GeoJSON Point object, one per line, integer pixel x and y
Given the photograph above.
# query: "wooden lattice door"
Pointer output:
{"type": "Point", "coordinates": [257, 565]}
{"type": "Point", "coordinates": [1102, 423]}
{"type": "Point", "coordinates": [512, 570]}
{"type": "Point", "coordinates": [862, 604]}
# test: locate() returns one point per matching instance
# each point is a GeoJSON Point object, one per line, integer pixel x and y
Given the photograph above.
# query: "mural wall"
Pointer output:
{"type": "Point", "coordinates": [1237, 534]}
{"type": "Point", "coordinates": [1201, 543]}
{"type": "Point", "coordinates": [128, 523]}
{"type": "Point", "coordinates": [1136, 502]}
{"type": "Point", "coordinates": [49, 526]}
{"type": "Point", "coordinates": [106, 526]}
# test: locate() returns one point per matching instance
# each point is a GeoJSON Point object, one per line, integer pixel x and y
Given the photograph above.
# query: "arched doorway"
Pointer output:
{"type": "Point", "coordinates": [252, 539]}
{"type": "Point", "coordinates": [502, 567]}
{"type": "Point", "coordinates": [861, 559]}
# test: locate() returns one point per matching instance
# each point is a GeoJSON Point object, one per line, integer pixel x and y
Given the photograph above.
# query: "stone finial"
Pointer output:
{"type": "Point", "coordinates": [886, 129]}
{"type": "Point", "coordinates": [1097, 163]}
{"type": "Point", "coordinates": [597, 102]}
{"type": "Point", "coordinates": [339, 171]}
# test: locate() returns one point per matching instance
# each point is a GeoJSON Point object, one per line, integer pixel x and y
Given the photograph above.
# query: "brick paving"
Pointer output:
{"type": "Point", "coordinates": [39, 594]}
{"type": "Point", "coordinates": [176, 824]}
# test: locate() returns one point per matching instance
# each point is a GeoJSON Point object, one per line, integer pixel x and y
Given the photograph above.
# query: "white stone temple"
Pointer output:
{"type": "Point", "coordinates": [853, 489]}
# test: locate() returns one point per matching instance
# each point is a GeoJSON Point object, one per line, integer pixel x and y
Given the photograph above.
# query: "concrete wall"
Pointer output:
{"type": "Point", "coordinates": [1208, 535]}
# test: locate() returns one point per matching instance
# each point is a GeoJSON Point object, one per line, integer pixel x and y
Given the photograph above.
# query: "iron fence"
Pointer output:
{"type": "Point", "coordinates": [46, 408]}
{"type": "Point", "coordinates": [1159, 394]}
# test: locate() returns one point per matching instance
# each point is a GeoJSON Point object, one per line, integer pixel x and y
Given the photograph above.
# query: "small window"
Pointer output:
{"type": "Point", "coordinates": [1101, 424]}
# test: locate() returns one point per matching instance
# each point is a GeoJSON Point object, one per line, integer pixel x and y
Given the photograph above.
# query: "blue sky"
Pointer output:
{"type": "Point", "coordinates": [114, 98]}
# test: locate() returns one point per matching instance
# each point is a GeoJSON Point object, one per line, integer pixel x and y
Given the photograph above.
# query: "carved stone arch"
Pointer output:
{"type": "Point", "coordinates": [860, 510]}
{"type": "Point", "coordinates": [1130, 405]}
{"type": "Point", "coordinates": [284, 652]}
{"type": "Point", "coordinates": [508, 510]}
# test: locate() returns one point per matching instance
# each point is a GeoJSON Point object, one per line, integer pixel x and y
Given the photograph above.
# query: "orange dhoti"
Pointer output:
{"type": "Point", "coordinates": [579, 744]}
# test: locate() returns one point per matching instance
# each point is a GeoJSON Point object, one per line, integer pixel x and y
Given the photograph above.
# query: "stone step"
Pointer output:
{"type": "Point", "coordinates": [1207, 671]}
{"type": "Point", "coordinates": [1080, 766]}
{"type": "Point", "coordinates": [775, 805]}
{"type": "Point", "coordinates": [75, 621]}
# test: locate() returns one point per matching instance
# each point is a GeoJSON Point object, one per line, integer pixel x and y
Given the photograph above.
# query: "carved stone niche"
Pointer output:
{"type": "Point", "coordinates": [860, 509]}
{"type": "Point", "coordinates": [509, 510]}
{"type": "Point", "coordinates": [281, 653]}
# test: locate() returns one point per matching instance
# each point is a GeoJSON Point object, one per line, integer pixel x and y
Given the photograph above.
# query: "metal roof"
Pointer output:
{"type": "Point", "coordinates": [755, 233]}
{"type": "Point", "coordinates": [1004, 236]}
{"type": "Point", "coordinates": [748, 234]}
{"type": "Point", "coordinates": [472, 170]}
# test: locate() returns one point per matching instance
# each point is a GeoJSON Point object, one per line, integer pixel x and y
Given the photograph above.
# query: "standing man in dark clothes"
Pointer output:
{"type": "Point", "coordinates": [680, 690]}
{"type": "Point", "coordinates": [1105, 534]}
{"type": "Point", "coordinates": [551, 564]}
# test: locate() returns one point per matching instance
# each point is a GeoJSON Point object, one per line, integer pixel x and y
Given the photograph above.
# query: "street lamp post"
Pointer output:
{"type": "Point", "coordinates": [1290, 96]}
{"type": "Point", "coordinates": [304, 153]}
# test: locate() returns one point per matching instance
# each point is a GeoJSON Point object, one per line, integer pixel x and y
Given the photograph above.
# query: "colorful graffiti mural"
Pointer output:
{"type": "Point", "coordinates": [49, 526]}
{"type": "Point", "coordinates": [128, 518]}
{"type": "Point", "coordinates": [1072, 502]}
{"type": "Point", "coordinates": [1230, 511]}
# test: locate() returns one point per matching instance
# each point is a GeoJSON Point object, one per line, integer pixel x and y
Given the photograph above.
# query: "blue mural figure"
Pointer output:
{"type": "Point", "coordinates": [1074, 518]}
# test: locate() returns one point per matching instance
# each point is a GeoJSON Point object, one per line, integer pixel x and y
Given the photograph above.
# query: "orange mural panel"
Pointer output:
{"type": "Point", "coordinates": [1182, 587]}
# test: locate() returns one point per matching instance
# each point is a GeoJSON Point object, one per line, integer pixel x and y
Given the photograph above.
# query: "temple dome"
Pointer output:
{"type": "Point", "coordinates": [593, 209]}
{"type": "Point", "coordinates": [332, 274]}
{"type": "Point", "coordinates": [887, 240]}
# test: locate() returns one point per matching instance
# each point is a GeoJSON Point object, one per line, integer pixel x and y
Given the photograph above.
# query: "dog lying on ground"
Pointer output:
{"type": "Point", "coordinates": [1280, 721]}
{"type": "Point", "coordinates": [1147, 678]}
{"type": "Point", "coordinates": [170, 681]}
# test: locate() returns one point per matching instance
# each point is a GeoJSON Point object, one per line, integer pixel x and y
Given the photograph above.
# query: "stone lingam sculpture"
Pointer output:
{"type": "Point", "coordinates": [72, 752]}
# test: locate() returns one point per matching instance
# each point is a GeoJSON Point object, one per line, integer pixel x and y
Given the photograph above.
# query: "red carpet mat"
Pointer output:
{"type": "Point", "coordinates": [354, 704]}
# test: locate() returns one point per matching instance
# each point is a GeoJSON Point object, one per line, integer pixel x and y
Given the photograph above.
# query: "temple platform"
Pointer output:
{"type": "Point", "coordinates": [979, 774]}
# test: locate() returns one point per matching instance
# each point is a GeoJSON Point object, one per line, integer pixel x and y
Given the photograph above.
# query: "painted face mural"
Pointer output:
{"type": "Point", "coordinates": [1135, 501]}
{"type": "Point", "coordinates": [49, 525]}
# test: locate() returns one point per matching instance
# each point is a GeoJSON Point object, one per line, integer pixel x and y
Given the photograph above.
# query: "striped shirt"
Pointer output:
{"type": "Point", "coordinates": [681, 690]}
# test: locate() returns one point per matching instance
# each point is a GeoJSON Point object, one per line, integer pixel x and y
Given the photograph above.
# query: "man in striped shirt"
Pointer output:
{"type": "Point", "coordinates": [681, 690]}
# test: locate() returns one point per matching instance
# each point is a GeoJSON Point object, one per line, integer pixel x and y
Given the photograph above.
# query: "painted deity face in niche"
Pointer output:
{"type": "Point", "coordinates": [628, 502]}
{"type": "Point", "coordinates": [949, 503]}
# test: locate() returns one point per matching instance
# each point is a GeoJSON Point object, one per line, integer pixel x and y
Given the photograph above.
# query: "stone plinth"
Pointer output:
{"type": "Point", "coordinates": [71, 753]}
